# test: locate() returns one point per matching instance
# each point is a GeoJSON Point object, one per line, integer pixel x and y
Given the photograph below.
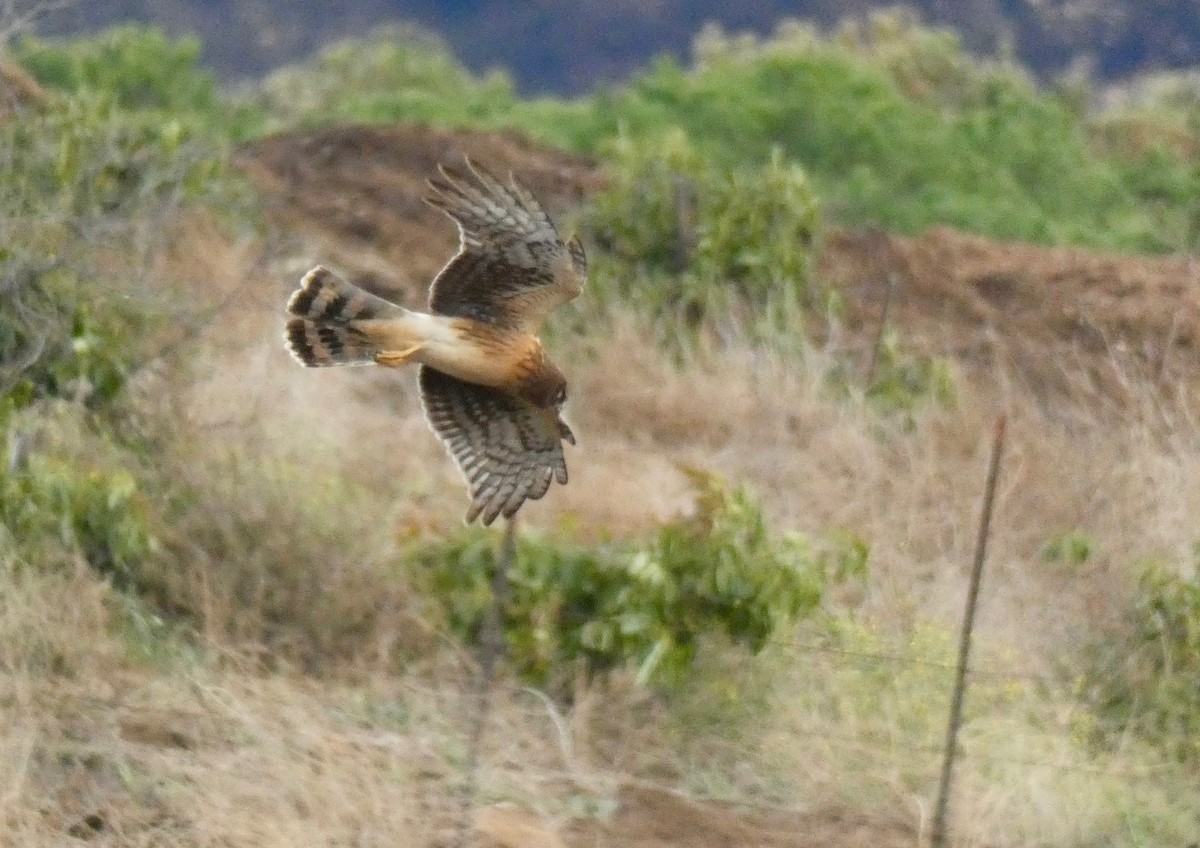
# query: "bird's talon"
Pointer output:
{"type": "Point", "coordinates": [396, 358]}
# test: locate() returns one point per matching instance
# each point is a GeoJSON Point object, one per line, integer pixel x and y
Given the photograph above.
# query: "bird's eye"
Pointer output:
{"type": "Point", "coordinates": [560, 397]}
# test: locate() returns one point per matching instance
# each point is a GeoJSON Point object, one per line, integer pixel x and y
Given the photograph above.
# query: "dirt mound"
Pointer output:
{"type": "Point", "coordinates": [358, 192]}
{"type": "Point", "coordinates": [1056, 320]}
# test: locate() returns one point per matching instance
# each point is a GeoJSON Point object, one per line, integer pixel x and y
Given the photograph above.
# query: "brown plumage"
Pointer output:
{"type": "Point", "coordinates": [488, 388]}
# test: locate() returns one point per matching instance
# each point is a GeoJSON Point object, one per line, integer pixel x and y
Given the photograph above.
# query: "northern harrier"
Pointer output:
{"type": "Point", "coordinates": [488, 388]}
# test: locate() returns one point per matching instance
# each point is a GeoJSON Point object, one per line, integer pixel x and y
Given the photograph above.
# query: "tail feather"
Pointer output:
{"type": "Point", "coordinates": [326, 298]}
{"type": "Point", "coordinates": [327, 309]}
{"type": "Point", "coordinates": [317, 345]}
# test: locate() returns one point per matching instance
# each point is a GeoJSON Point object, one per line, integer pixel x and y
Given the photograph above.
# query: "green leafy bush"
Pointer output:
{"type": "Point", "coordinates": [694, 239]}
{"type": "Point", "coordinates": [57, 344]}
{"type": "Point", "coordinates": [139, 71]}
{"type": "Point", "coordinates": [82, 177]}
{"type": "Point", "coordinates": [908, 134]}
{"type": "Point", "coordinates": [139, 66]}
{"type": "Point", "coordinates": [394, 74]}
{"type": "Point", "coordinates": [56, 507]}
{"type": "Point", "coordinates": [614, 605]}
{"type": "Point", "coordinates": [91, 181]}
{"type": "Point", "coordinates": [897, 124]}
{"type": "Point", "coordinates": [1147, 683]}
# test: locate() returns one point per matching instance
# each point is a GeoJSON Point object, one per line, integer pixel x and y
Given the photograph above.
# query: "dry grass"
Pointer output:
{"type": "Point", "coordinates": [353, 731]}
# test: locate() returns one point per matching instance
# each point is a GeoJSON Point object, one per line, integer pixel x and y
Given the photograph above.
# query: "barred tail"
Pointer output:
{"type": "Point", "coordinates": [326, 298]}
{"type": "Point", "coordinates": [326, 309]}
{"type": "Point", "coordinates": [316, 345]}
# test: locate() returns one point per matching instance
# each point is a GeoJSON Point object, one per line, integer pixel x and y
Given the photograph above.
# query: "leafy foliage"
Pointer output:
{"type": "Point", "coordinates": [898, 126]}
{"type": "Point", "coordinates": [1147, 683]}
{"type": "Point", "coordinates": [78, 177]}
{"type": "Point", "coordinates": [605, 607]}
{"type": "Point", "coordinates": [395, 74]}
{"type": "Point", "coordinates": [58, 506]}
{"type": "Point", "coordinates": [90, 181]}
{"type": "Point", "coordinates": [97, 168]}
{"type": "Point", "coordinates": [897, 380]}
{"type": "Point", "coordinates": [139, 67]}
{"type": "Point", "coordinates": [151, 79]}
{"type": "Point", "coordinates": [711, 239]}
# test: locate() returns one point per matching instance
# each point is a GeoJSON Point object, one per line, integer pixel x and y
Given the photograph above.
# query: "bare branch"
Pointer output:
{"type": "Point", "coordinates": [20, 16]}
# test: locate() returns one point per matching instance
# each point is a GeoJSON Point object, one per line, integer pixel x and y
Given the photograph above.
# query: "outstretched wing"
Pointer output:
{"type": "Point", "coordinates": [508, 450]}
{"type": "Point", "coordinates": [511, 269]}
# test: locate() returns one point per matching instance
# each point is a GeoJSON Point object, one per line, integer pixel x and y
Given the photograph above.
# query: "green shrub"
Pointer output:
{"type": "Point", "coordinates": [73, 503]}
{"type": "Point", "coordinates": [888, 137]}
{"type": "Point", "coordinates": [1072, 547]}
{"type": "Point", "coordinates": [1147, 684]}
{"type": "Point", "coordinates": [139, 66]}
{"type": "Point", "coordinates": [140, 71]}
{"type": "Point", "coordinates": [686, 237]}
{"type": "Point", "coordinates": [609, 606]}
{"type": "Point", "coordinates": [90, 184]}
{"type": "Point", "coordinates": [394, 74]}
{"type": "Point", "coordinates": [85, 189]}
{"type": "Point", "coordinates": [896, 124]}
{"type": "Point", "coordinates": [57, 345]}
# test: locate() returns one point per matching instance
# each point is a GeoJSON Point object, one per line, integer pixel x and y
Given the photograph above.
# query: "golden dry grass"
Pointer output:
{"type": "Point", "coordinates": [317, 705]}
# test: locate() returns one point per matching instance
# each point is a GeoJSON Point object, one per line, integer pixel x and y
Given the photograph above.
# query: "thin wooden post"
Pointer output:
{"type": "Point", "coordinates": [491, 649]}
{"type": "Point", "coordinates": [881, 249]}
{"type": "Point", "coordinates": [881, 330]}
{"type": "Point", "coordinates": [938, 828]}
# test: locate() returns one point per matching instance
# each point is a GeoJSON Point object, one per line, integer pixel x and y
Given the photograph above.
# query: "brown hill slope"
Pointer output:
{"type": "Point", "coordinates": [330, 710]}
{"type": "Point", "coordinates": [1055, 319]}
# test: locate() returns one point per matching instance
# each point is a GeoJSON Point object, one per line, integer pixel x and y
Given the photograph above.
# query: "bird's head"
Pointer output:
{"type": "Point", "coordinates": [546, 387]}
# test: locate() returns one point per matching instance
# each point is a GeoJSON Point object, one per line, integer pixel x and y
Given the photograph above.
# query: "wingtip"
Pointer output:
{"type": "Point", "coordinates": [481, 172]}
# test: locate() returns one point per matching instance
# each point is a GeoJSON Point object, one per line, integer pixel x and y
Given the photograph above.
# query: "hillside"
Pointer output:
{"type": "Point", "coordinates": [239, 605]}
{"type": "Point", "coordinates": [1057, 320]}
{"type": "Point", "coordinates": [349, 196]}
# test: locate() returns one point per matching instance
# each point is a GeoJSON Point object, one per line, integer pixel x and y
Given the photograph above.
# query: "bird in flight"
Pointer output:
{"type": "Point", "coordinates": [488, 388]}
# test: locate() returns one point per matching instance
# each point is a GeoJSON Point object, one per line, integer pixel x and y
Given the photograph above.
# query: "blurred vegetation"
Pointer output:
{"type": "Point", "coordinates": [894, 123]}
{"type": "Point", "coordinates": [1146, 683]}
{"type": "Point", "coordinates": [76, 502]}
{"type": "Point", "coordinates": [153, 80]}
{"type": "Point", "coordinates": [92, 177]}
{"type": "Point", "coordinates": [685, 240]}
{"type": "Point", "coordinates": [896, 381]}
{"type": "Point", "coordinates": [394, 74]}
{"type": "Point", "coordinates": [599, 608]}
{"type": "Point", "coordinates": [84, 178]}
{"type": "Point", "coordinates": [1071, 547]}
